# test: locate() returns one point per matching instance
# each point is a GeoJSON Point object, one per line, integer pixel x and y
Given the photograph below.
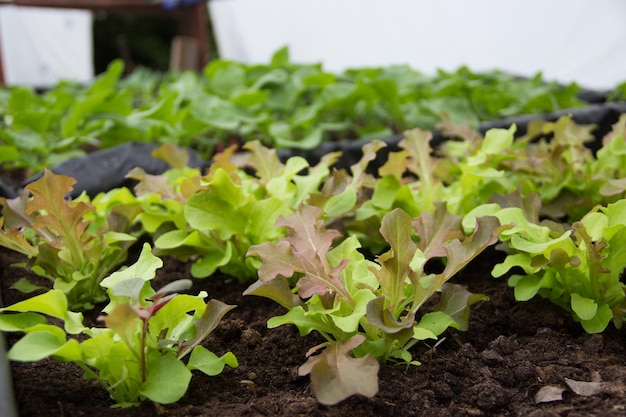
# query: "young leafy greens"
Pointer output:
{"type": "Point", "coordinates": [139, 355]}
{"type": "Point", "coordinates": [348, 252]}
{"type": "Point", "coordinates": [281, 104]}
{"type": "Point", "coordinates": [215, 218]}
{"type": "Point", "coordinates": [73, 243]}
{"type": "Point", "coordinates": [367, 311]}
{"type": "Point", "coordinates": [578, 267]}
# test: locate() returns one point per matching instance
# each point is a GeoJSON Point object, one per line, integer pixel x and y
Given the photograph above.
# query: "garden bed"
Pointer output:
{"type": "Point", "coordinates": [517, 359]}
{"type": "Point", "coordinates": [496, 369]}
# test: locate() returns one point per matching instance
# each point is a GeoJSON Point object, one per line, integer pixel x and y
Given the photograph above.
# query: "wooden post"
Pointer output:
{"type": "Point", "coordinates": [194, 24]}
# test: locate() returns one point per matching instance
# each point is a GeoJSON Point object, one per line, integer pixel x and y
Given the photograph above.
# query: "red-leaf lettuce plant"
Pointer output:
{"type": "Point", "coordinates": [140, 353]}
{"type": "Point", "coordinates": [367, 311]}
{"type": "Point", "coordinates": [76, 243]}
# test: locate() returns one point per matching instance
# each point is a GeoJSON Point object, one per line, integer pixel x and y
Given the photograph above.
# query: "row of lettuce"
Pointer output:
{"type": "Point", "coordinates": [298, 233]}
{"type": "Point", "coordinates": [280, 104]}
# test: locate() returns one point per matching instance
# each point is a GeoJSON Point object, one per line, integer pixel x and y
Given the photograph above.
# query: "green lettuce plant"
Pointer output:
{"type": "Point", "coordinates": [367, 311]}
{"type": "Point", "coordinates": [552, 160]}
{"type": "Point", "coordinates": [149, 347]}
{"type": "Point", "coordinates": [40, 130]}
{"type": "Point", "coordinates": [578, 267]}
{"type": "Point", "coordinates": [74, 244]}
{"type": "Point", "coordinates": [418, 178]}
{"type": "Point", "coordinates": [28, 134]}
{"type": "Point", "coordinates": [299, 106]}
{"type": "Point", "coordinates": [282, 104]}
{"type": "Point", "coordinates": [213, 219]}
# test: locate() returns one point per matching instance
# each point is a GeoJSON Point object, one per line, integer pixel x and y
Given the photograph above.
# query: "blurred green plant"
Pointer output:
{"type": "Point", "coordinates": [281, 104]}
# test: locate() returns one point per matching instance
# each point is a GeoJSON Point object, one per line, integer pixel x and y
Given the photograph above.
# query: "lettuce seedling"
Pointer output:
{"type": "Point", "coordinates": [282, 104]}
{"type": "Point", "coordinates": [213, 219]}
{"type": "Point", "coordinates": [408, 180]}
{"type": "Point", "coordinates": [72, 243]}
{"type": "Point", "coordinates": [578, 267]}
{"type": "Point", "coordinates": [141, 352]}
{"type": "Point", "coordinates": [462, 173]}
{"type": "Point", "coordinates": [367, 311]}
{"type": "Point", "coordinates": [609, 171]}
{"type": "Point", "coordinates": [551, 159]}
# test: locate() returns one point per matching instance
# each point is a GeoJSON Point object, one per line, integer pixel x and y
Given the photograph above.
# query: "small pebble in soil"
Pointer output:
{"type": "Point", "coordinates": [491, 357]}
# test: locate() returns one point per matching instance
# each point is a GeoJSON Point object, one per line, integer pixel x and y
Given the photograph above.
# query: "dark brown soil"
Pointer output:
{"type": "Point", "coordinates": [496, 368]}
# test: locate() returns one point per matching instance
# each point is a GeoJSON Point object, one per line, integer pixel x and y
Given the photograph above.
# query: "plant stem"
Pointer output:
{"type": "Point", "coordinates": [144, 332]}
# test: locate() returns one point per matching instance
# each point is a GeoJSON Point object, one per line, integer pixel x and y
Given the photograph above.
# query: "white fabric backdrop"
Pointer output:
{"type": "Point", "coordinates": [574, 40]}
{"type": "Point", "coordinates": [41, 46]}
